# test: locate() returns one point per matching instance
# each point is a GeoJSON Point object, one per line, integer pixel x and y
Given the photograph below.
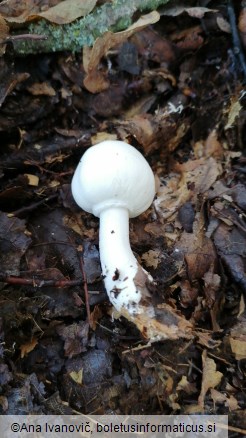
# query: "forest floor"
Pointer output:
{"type": "Point", "coordinates": [174, 90]}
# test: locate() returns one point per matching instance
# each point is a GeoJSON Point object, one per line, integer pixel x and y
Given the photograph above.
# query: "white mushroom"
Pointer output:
{"type": "Point", "coordinates": [114, 182]}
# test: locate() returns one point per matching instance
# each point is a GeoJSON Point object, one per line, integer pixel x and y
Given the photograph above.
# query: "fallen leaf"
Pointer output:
{"type": "Point", "coordinates": [210, 377]}
{"type": "Point", "coordinates": [154, 47]}
{"type": "Point", "coordinates": [191, 179]}
{"type": "Point", "coordinates": [198, 251]}
{"type": "Point", "coordinates": [28, 347]}
{"type": "Point", "coordinates": [186, 386]}
{"type": "Point", "coordinates": [151, 258]}
{"type": "Point", "coordinates": [238, 339]}
{"type": "Point", "coordinates": [64, 12]}
{"type": "Point", "coordinates": [234, 112]}
{"type": "Point", "coordinates": [33, 180]}
{"type": "Point", "coordinates": [75, 337]}
{"type": "Point", "coordinates": [77, 376]}
{"type": "Point", "coordinates": [196, 11]}
{"type": "Point", "coordinates": [13, 243]}
{"type": "Point", "coordinates": [40, 89]}
{"type": "Point", "coordinates": [67, 11]}
{"type": "Point", "coordinates": [4, 32]}
{"type": "Point", "coordinates": [222, 399]}
{"type": "Point", "coordinates": [102, 136]}
{"type": "Point", "coordinates": [94, 81]}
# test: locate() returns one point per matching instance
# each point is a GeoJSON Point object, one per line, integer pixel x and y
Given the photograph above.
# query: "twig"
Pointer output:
{"type": "Point", "coordinates": [24, 36]}
{"type": "Point", "coordinates": [27, 209]}
{"type": "Point", "coordinates": [38, 283]}
{"type": "Point", "coordinates": [87, 300]}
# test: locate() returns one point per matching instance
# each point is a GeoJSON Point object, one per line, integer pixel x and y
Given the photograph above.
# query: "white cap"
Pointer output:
{"type": "Point", "coordinates": [113, 174]}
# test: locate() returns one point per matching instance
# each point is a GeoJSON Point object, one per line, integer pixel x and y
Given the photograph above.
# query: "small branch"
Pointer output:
{"type": "Point", "coordinates": [87, 299]}
{"type": "Point", "coordinates": [38, 283]}
{"type": "Point", "coordinates": [27, 209]}
{"type": "Point", "coordinates": [114, 16]}
{"type": "Point", "coordinates": [24, 36]}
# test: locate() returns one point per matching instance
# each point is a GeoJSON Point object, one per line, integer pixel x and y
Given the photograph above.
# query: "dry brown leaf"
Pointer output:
{"type": "Point", "coordinates": [199, 259]}
{"type": "Point", "coordinates": [94, 81]}
{"type": "Point", "coordinates": [187, 387]}
{"type": "Point", "coordinates": [238, 339]}
{"type": "Point", "coordinates": [4, 29]}
{"type": "Point", "coordinates": [41, 88]}
{"type": "Point", "coordinates": [210, 377]}
{"type": "Point", "coordinates": [154, 132]}
{"type": "Point", "coordinates": [205, 338]}
{"type": "Point", "coordinates": [211, 147]}
{"type": "Point", "coordinates": [220, 398]}
{"type": "Point", "coordinates": [33, 180]}
{"type": "Point", "coordinates": [4, 32]}
{"type": "Point", "coordinates": [189, 38]}
{"type": "Point", "coordinates": [28, 347]}
{"type": "Point", "coordinates": [102, 136]}
{"type": "Point", "coordinates": [152, 258]}
{"type": "Point", "coordinates": [77, 376]}
{"type": "Point", "coordinates": [211, 287]}
{"type": "Point", "coordinates": [197, 11]}
{"type": "Point", "coordinates": [197, 176]}
{"type": "Point", "coordinates": [68, 11]}
{"type": "Point", "coordinates": [198, 251]}
{"type": "Point", "coordinates": [65, 11]}
{"type": "Point", "coordinates": [234, 111]}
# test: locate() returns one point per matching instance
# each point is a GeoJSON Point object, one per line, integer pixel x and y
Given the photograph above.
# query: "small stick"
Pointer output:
{"type": "Point", "coordinates": [25, 36]}
{"type": "Point", "coordinates": [38, 283]}
{"type": "Point", "coordinates": [87, 301]}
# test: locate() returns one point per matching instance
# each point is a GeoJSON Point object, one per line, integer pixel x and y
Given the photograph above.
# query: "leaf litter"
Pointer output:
{"type": "Point", "coordinates": [172, 87]}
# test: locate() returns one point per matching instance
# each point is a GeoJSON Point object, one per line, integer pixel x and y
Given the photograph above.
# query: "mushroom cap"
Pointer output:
{"type": "Point", "coordinates": [113, 174]}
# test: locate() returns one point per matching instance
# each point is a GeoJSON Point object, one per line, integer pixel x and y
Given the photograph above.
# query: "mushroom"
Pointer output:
{"type": "Point", "coordinates": [114, 182]}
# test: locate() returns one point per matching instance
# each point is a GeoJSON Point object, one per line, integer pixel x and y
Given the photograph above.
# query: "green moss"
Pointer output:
{"type": "Point", "coordinates": [113, 16]}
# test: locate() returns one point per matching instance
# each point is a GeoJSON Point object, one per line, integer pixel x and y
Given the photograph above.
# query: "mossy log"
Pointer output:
{"type": "Point", "coordinates": [114, 16]}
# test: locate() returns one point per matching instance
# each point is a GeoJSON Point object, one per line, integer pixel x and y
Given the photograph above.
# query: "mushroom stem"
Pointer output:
{"type": "Point", "coordinates": [119, 265]}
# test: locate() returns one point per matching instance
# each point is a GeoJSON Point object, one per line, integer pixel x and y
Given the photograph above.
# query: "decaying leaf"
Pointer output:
{"type": "Point", "coordinates": [14, 242]}
{"type": "Point", "coordinates": [67, 11]}
{"type": "Point", "coordinates": [39, 89]}
{"type": "Point", "coordinates": [192, 178]}
{"type": "Point", "coordinates": [28, 347]}
{"type": "Point", "coordinates": [197, 11]}
{"type": "Point", "coordinates": [94, 81]}
{"type": "Point", "coordinates": [4, 31]}
{"type": "Point", "coordinates": [63, 12]}
{"type": "Point", "coordinates": [77, 376]}
{"type": "Point", "coordinates": [222, 399]}
{"type": "Point", "coordinates": [234, 112]}
{"type": "Point", "coordinates": [186, 386]}
{"type": "Point", "coordinates": [210, 377]}
{"type": "Point", "coordinates": [75, 337]}
{"type": "Point", "coordinates": [238, 339]}
{"type": "Point", "coordinates": [198, 251]}
{"type": "Point", "coordinates": [151, 258]}
{"type": "Point", "coordinates": [165, 324]}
